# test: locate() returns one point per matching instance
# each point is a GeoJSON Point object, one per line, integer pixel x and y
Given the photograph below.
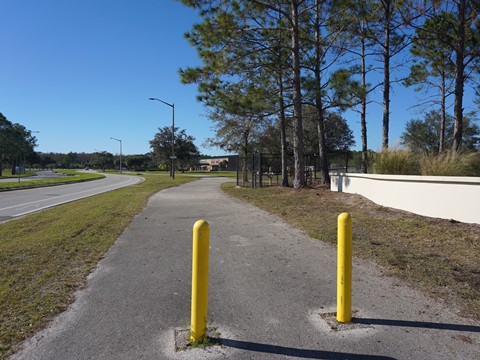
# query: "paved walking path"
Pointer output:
{"type": "Point", "coordinates": [269, 284]}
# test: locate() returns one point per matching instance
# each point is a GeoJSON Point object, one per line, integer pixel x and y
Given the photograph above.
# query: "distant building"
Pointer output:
{"type": "Point", "coordinates": [217, 163]}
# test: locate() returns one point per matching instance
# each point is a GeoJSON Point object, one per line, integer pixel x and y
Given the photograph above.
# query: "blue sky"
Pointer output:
{"type": "Point", "coordinates": [80, 72]}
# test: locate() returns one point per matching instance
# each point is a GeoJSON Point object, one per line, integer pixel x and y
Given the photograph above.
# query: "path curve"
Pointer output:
{"type": "Point", "coordinates": [268, 286]}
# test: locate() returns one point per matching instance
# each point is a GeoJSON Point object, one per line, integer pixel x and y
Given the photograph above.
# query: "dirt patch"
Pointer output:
{"type": "Point", "coordinates": [331, 320]}
{"type": "Point", "coordinates": [182, 339]}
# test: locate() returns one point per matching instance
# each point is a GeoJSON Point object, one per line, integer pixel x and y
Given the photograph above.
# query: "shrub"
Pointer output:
{"type": "Point", "coordinates": [396, 162]}
{"type": "Point", "coordinates": [450, 164]}
{"type": "Point", "coordinates": [475, 163]}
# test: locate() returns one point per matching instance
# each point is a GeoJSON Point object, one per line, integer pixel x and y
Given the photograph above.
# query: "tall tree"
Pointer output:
{"type": "Point", "coordinates": [24, 144]}
{"type": "Point", "coordinates": [355, 20]}
{"type": "Point", "coordinates": [5, 140]}
{"type": "Point", "coordinates": [387, 31]}
{"type": "Point", "coordinates": [231, 40]}
{"type": "Point", "coordinates": [185, 150]}
{"type": "Point", "coordinates": [16, 143]}
{"type": "Point", "coordinates": [459, 34]}
{"type": "Point", "coordinates": [422, 135]}
{"type": "Point", "coordinates": [138, 162]}
{"type": "Point", "coordinates": [434, 68]}
{"type": "Point", "coordinates": [280, 57]}
{"type": "Point", "coordinates": [466, 46]}
{"type": "Point", "coordinates": [319, 54]}
{"type": "Point", "coordinates": [338, 135]}
{"type": "Point", "coordinates": [299, 180]}
{"type": "Point", "coordinates": [102, 160]}
{"type": "Point", "coordinates": [330, 88]}
{"type": "Point", "coordinates": [239, 119]}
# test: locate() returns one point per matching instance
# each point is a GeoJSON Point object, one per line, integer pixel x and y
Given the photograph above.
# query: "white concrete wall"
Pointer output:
{"type": "Point", "coordinates": [446, 197]}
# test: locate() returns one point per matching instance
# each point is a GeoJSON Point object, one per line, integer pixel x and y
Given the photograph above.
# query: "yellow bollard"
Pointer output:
{"type": "Point", "coordinates": [344, 268]}
{"type": "Point", "coordinates": [201, 235]}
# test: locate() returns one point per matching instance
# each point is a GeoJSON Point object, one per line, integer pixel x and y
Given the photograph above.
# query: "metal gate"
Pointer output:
{"type": "Point", "coordinates": [259, 170]}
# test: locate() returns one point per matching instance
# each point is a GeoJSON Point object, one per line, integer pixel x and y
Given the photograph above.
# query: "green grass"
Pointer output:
{"type": "Point", "coordinates": [73, 177]}
{"type": "Point", "coordinates": [436, 256]}
{"type": "Point", "coordinates": [229, 174]}
{"type": "Point", "coordinates": [7, 173]}
{"type": "Point", "coordinates": [46, 256]}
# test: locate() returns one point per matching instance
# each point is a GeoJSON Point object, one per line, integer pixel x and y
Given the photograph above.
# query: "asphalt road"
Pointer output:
{"type": "Point", "coordinates": [43, 174]}
{"type": "Point", "coordinates": [269, 286]}
{"type": "Point", "coordinates": [22, 202]}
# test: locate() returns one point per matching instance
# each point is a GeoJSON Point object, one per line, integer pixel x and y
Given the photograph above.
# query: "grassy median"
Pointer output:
{"type": "Point", "coordinates": [46, 256]}
{"type": "Point", "coordinates": [72, 176]}
{"type": "Point", "coordinates": [437, 256]}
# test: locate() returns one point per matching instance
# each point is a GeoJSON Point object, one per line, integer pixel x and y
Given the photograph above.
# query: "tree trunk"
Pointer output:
{"type": "Point", "coordinates": [459, 78]}
{"type": "Point", "coordinates": [281, 102]}
{"type": "Point", "coordinates": [322, 149]}
{"type": "Point", "coordinates": [319, 102]}
{"type": "Point", "coordinates": [441, 140]}
{"type": "Point", "coordinates": [363, 114]}
{"type": "Point", "coordinates": [245, 167]}
{"type": "Point", "coordinates": [299, 177]}
{"type": "Point", "coordinates": [386, 75]}
{"type": "Point", "coordinates": [283, 136]}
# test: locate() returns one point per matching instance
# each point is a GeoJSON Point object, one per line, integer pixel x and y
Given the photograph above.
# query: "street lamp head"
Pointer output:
{"type": "Point", "coordinates": [164, 102]}
{"type": "Point", "coordinates": [173, 157]}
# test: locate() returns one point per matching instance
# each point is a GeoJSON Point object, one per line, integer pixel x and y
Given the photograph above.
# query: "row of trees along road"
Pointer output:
{"type": "Point", "coordinates": [17, 144]}
{"type": "Point", "coordinates": [100, 160]}
{"type": "Point", "coordinates": [283, 58]}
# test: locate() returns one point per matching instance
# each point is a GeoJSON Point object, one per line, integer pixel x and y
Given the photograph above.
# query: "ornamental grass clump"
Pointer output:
{"type": "Point", "coordinates": [396, 162]}
{"type": "Point", "coordinates": [450, 163]}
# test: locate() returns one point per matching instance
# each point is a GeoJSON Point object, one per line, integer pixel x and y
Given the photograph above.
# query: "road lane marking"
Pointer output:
{"type": "Point", "coordinates": [113, 186]}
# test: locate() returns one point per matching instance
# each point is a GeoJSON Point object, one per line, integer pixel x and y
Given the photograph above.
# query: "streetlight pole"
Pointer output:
{"type": "Point", "coordinates": [120, 141]}
{"type": "Point", "coordinates": [173, 157]}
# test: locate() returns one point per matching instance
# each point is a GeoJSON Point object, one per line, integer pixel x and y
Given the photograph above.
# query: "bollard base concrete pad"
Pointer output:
{"type": "Point", "coordinates": [182, 339]}
{"type": "Point", "coordinates": [331, 319]}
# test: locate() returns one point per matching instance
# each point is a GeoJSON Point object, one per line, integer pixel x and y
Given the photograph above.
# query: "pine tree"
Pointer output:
{"type": "Point", "coordinates": [233, 41]}
{"type": "Point", "coordinates": [434, 67]}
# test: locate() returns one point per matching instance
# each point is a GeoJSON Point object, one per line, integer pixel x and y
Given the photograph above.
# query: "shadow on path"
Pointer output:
{"type": "Point", "coordinates": [299, 353]}
{"type": "Point", "coordinates": [417, 324]}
